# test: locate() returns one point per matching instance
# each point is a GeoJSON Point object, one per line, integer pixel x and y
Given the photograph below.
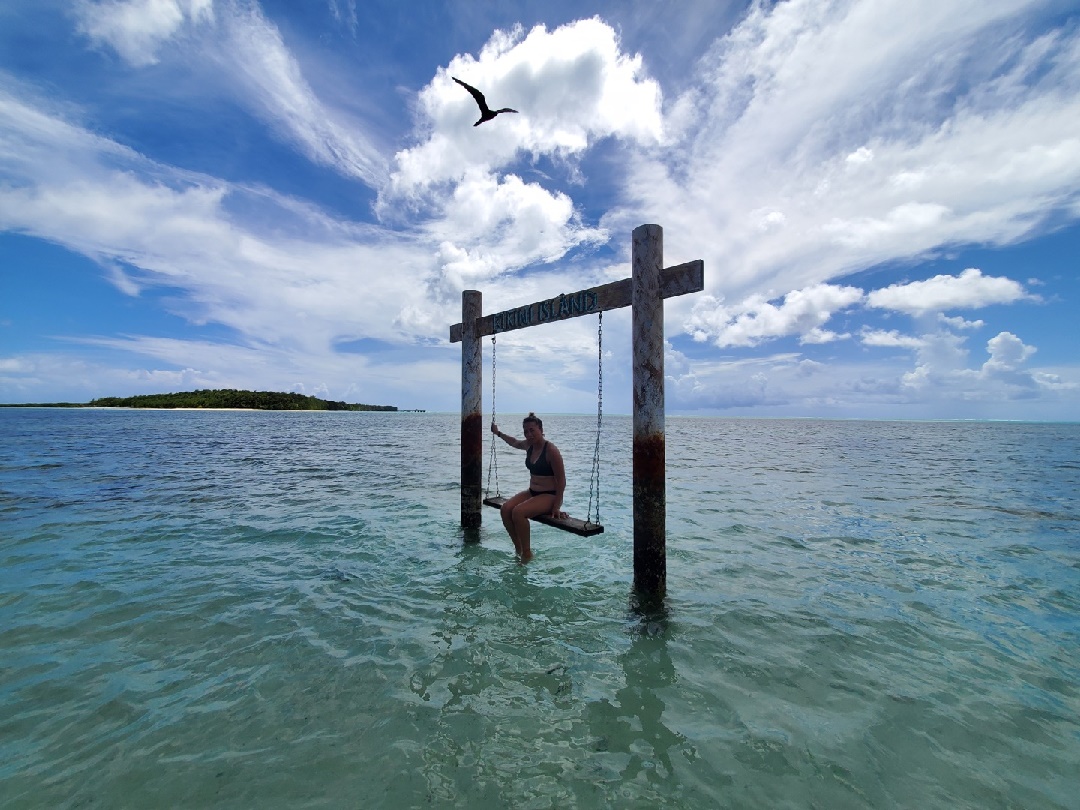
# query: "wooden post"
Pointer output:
{"type": "Point", "coordinates": [650, 496]}
{"type": "Point", "coordinates": [472, 437]}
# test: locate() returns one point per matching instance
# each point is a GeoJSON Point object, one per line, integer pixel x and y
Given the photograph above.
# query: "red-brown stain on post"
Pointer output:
{"type": "Point", "coordinates": [472, 468]}
{"type": "Point", "coordinates": [650, 514]}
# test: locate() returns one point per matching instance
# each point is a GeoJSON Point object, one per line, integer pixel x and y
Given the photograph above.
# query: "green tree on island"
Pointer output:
{"type": "Point", "coordinates": [233, 398]}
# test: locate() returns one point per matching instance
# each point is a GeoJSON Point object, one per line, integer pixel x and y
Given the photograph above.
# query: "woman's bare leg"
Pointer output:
{"type": "Point", "coordinates": [506, 512]}
{"type": "Point", "coordinates": [537, 505]}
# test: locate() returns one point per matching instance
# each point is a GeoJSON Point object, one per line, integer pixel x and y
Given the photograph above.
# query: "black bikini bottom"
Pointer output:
{"type": "Point", "coordinates": [546, 492]}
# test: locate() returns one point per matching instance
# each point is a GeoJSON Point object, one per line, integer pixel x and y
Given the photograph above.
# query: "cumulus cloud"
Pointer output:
{"type": "Point", "coordinates": [801, 312]}
{"type": "Point", "coordinates": [1007, 353]}
{"type": "Point", "coordinates": [489, 227]}
{"type": "Point", "coordinates": [805, 312]}
{"type": "Point", "coordinates": [942, 370]}
{"type": "Point", "coordinates": [572, 85]}
{"type": "Point", "coordinates": [782, 383]}
{"type": "Point", "coordinates": [719, 391]}
{"type": "Point", "coordinates": [940, 380]}
{"type": "Point", "coordinates": [970, 290]}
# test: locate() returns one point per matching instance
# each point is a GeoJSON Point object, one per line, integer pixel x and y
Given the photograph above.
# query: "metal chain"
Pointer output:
{"type": "Point", "coordinates": [493, 457]}
{"type": "Point", "coordinates": [595, 479]}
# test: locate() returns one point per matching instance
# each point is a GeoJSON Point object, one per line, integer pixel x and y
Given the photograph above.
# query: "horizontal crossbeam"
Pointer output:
{"type": "Point", "coordinates": [678, 280]}
{"type": "Point", "coordinates": [567, 524]}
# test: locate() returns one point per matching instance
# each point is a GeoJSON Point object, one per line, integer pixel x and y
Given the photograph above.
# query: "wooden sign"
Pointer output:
{"type": "Point", "coordinates": [678, 280]}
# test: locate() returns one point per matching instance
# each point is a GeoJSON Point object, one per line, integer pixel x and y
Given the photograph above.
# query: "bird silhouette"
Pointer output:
{"type": "Point", "coordinates": [486, 113]}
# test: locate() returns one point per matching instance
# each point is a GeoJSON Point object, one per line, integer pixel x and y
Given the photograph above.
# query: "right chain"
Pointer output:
{"type": "Point", "coordinates": [595, 479]}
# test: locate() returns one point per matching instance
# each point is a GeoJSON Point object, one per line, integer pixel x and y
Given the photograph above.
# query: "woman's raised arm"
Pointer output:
{"type": "Point", "coordinates": [520, 444]}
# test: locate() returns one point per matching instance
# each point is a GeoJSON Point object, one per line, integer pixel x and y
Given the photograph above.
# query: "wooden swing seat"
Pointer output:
{"type": "Point", "coordinates": [567, 524]}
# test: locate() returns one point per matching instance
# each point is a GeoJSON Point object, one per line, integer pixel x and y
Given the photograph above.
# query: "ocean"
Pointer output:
{"type": "Point", "coordinates": [268, 609]}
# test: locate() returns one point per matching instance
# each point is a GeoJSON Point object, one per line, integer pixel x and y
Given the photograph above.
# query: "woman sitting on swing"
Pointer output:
{"type": "Point", "coordinates": [546, 484]}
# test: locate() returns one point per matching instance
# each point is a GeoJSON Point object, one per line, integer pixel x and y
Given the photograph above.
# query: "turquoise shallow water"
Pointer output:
{"type": "Point", "coordinates": [278, 610]}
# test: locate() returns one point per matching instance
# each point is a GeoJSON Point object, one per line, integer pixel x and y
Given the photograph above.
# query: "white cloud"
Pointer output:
{"type": "Point", "coordinates": [881, 131]}
{"type": "Point", "coordinates": [784, 384]}
{"type": "Point", "coordinates": [1007, 353]}
{"type": "Point", "coordinates": [819, 335]}
{"type": "Point", "coordinates": [719, 391]}
{"type": "Point", "coordinates": [489, 227]}
{"type": "Point", "coordinates": [819, 139]}
{"type": "Point", "coordinates": [239, 48]}
{"type": "Point", "coordinates": [290, 282]}
{"type": "Point", "coordinates": [940, 382]}
{"type": "Point", "coordinates": [944, 352]}
{"type": "Point", "coordinates": [572, 86]}
{"type": "Point", "coordinates": [961, 323]}
{"type": "Point", "coordinates": [135, 29]}
{"type": "Point", "coordinates": [81, 372]}
{"type": "Point", "coordinates": [344, 11]}
{"type": "Point", "coordinates": [270, 81]}
{"type": "Point", "coordinates": [942, 371]}
{"type": "Point", "coordinates": [273, 268]}
{"type": "Point", "coordinates": [802, 312]}
{"type": "Point", "coordinates": [11, 365]}
{"type": "Point", "coordinates": [860, 155]}
{"type": "Point", "coordinates": [970, 290]}
{"type": "Point", "coordinates": [890, 339]}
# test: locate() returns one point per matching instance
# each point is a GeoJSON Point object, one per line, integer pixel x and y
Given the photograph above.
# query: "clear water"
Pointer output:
{"type": "Point", "coordinates": [278, 610]}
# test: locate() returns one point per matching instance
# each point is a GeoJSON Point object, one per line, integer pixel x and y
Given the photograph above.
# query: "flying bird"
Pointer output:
{"type": "Point", "coordinates": [486, 113]}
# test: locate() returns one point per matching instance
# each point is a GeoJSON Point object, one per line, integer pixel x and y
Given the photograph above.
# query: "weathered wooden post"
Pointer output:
{"type": "Point", "coordinates": [472, 437]}
{"type": "Point", "coordinates": [650, 494]}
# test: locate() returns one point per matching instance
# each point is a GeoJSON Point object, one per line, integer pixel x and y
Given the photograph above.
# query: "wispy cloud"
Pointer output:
{"type": "Point", "coordinates": [272, 268]}
{"type": "Point", "coordinates": [825, 137]}
{"type": "Point", "coordinates": [136, 29]}
{"type": "Point", "coordinates": [271, 82]}
{"type": "Point", "coordinates": [239, 48]}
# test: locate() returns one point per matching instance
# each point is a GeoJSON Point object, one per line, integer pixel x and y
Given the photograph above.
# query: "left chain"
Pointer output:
{"type": "Point", "coordinates": [493, 457]}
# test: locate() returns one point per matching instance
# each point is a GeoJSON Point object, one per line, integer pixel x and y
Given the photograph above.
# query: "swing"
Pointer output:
{"type": "Point", "coordinates": [584, 528]}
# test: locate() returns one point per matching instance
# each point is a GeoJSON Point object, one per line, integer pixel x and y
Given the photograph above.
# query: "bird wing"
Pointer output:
{"type": "Point", "coordinates": [474, 92]}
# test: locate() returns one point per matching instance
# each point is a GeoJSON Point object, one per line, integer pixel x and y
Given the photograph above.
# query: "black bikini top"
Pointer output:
{"type": "Point", "coordinates": [541, 466]}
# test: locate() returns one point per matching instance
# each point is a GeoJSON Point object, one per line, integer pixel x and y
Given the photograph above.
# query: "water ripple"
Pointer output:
{"type": "Point", "coordinates": [279, 610]}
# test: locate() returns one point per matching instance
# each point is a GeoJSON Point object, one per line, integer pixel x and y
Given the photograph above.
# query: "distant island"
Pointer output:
{"type": "Point", "coordinates": [223, 398]}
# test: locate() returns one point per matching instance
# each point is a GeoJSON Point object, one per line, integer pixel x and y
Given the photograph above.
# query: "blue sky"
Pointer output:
{"type": "Point", "coordinates": [291, 196]}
